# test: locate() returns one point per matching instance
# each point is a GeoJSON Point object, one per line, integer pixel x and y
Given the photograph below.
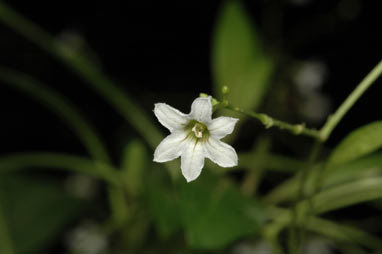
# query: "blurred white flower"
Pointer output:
{"type": "Point", "coordinates": [87, 238]}
{"type": "Point", "coordinates": [194, 137]}
{"type": "Point", "coordinates": [258, 247]}
{"type": "Point", "coordinates": [311, 76]}
{"type": "Point", "coordinates": [318, 246]}
{"type": "Point", "coordinates": [309, 79]}
{"type": "Point", "coordinates": [81, 186]}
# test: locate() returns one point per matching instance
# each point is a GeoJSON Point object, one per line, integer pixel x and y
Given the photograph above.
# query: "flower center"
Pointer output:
{"type": "Point", "coordinates": [197, 130]}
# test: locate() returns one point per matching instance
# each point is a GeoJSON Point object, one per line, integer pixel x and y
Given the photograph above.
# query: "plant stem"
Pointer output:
{"type": "Point", "coordinates": [333, 120]}
{"type": "Point", "coordinates": [296, 129]}
{"type": "Point", "coordinates": [299, 237]}
{"type": "Point", "coordinates": [54, 161]}
{"type": "Point", "coordinates": [256, 170]}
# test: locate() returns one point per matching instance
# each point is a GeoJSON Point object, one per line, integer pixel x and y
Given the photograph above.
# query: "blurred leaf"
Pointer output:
{"type": "Point", "coordinates": [338, 197]}
{"type": "Point", "coordinates": [215, 213]}
{"type": "Point", "coordinates": [238, 60]}
{"type": "Point", "coordinates": [358, 143]}
{"type": "Point", "coordinates": [366, 167]}
{"type": "Point", "coordinates": [35, 210]}
{"type": "Point", "coordinates": [133, 165]}
{"type": "Point", "coordinates": [347, 194]}
{"type": "Point", "coordinates": [163, 205]}
{"type": "Point", "coordinates": [334, 230]}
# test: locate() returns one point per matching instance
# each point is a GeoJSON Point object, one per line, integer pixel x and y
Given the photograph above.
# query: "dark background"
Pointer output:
{"type": "Point", "coordinates": [160, 51]}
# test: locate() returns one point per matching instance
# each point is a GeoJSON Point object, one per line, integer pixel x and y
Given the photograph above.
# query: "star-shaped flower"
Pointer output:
{"type": "Point", "coordinates": [194, 137]}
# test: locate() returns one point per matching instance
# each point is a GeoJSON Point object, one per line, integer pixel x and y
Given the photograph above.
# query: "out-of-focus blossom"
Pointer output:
{"type": "Point", "coordinates": [259, 247]}
{"type": "Point", "coordinates": [310, 77]}
{"type": "Point", "coordinates": [81, 186]}
{"type": "Point", "coordinates": [87, 238]}
{"type": "Point", "coordinates": [318, 246]}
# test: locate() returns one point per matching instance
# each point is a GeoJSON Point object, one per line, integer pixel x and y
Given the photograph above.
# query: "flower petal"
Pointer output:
{"type": "Point", "coordinates": [201, 109]}
{"type": "Point", "coordinates": [222, 126]}
{"type": "Point", "coordinates": [171, 147]}
{"type": "Point", "coordinates": [192, 160]}
{"type": "Point", "coordinates": [221, 153]}
{"type": "Point", "coordinates": [170, 117]}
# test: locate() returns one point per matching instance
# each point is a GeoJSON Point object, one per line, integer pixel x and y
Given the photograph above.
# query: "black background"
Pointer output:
{"type": "Point", "coordinates": [159, 51]}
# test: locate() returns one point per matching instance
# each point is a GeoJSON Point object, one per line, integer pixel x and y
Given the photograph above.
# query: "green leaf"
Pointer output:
{"type": "Point", "coordinates": [238, 60]}
{"type": "Point", "coordinates": [36, 211]}
{"type": "Point", "coordinates": [358, 143]}
{"type": "Point", "coordinates": [215, 213]}
{"type": "Point", "coordinates": [163, 205]}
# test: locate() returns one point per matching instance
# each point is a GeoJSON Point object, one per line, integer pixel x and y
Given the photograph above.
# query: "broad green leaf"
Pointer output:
{"type": "Point", "coordinates": [133, 165]}
{"type": "Point", "coordinates": [238, 60]}
{"type": "Point", "coordinates": [163, 205]}
{"type": "Point", "coordinates": [358, 143]}
{"type": "Point", "coordinates": [36, 211]}
{"type": "Point", "coordinates": [215, 213]}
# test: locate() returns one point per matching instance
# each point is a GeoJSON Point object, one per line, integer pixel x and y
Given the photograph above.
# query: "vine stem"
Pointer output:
{"type": "Point", "coordinates": [334, 119]}
{"type": "Point", "coordinates": [268, 121]}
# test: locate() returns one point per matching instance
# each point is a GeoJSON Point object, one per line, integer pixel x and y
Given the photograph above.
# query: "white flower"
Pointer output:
{"type": "Point", "coordinates": [195, 137]}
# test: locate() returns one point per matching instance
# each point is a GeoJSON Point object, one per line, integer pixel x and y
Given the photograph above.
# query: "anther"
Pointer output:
{"type": "Point", "coordinates": [198, 130]}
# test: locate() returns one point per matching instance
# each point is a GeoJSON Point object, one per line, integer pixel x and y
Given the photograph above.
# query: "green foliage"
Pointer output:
{"type": "Point", "coordinates": [358, 143]}
{"type": "Point", "coordinates": [366, 167]}
{"type": "Point", "coordinates": [164, 206]}
{"type": "Point", "coordinates": [215, 213]}
{"type": "Point", "coordinates": [35, 211]}
{"type": "Point", "coordinates": [212, 212]}
{"type": "Point", "coordinates": [238, 60]}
